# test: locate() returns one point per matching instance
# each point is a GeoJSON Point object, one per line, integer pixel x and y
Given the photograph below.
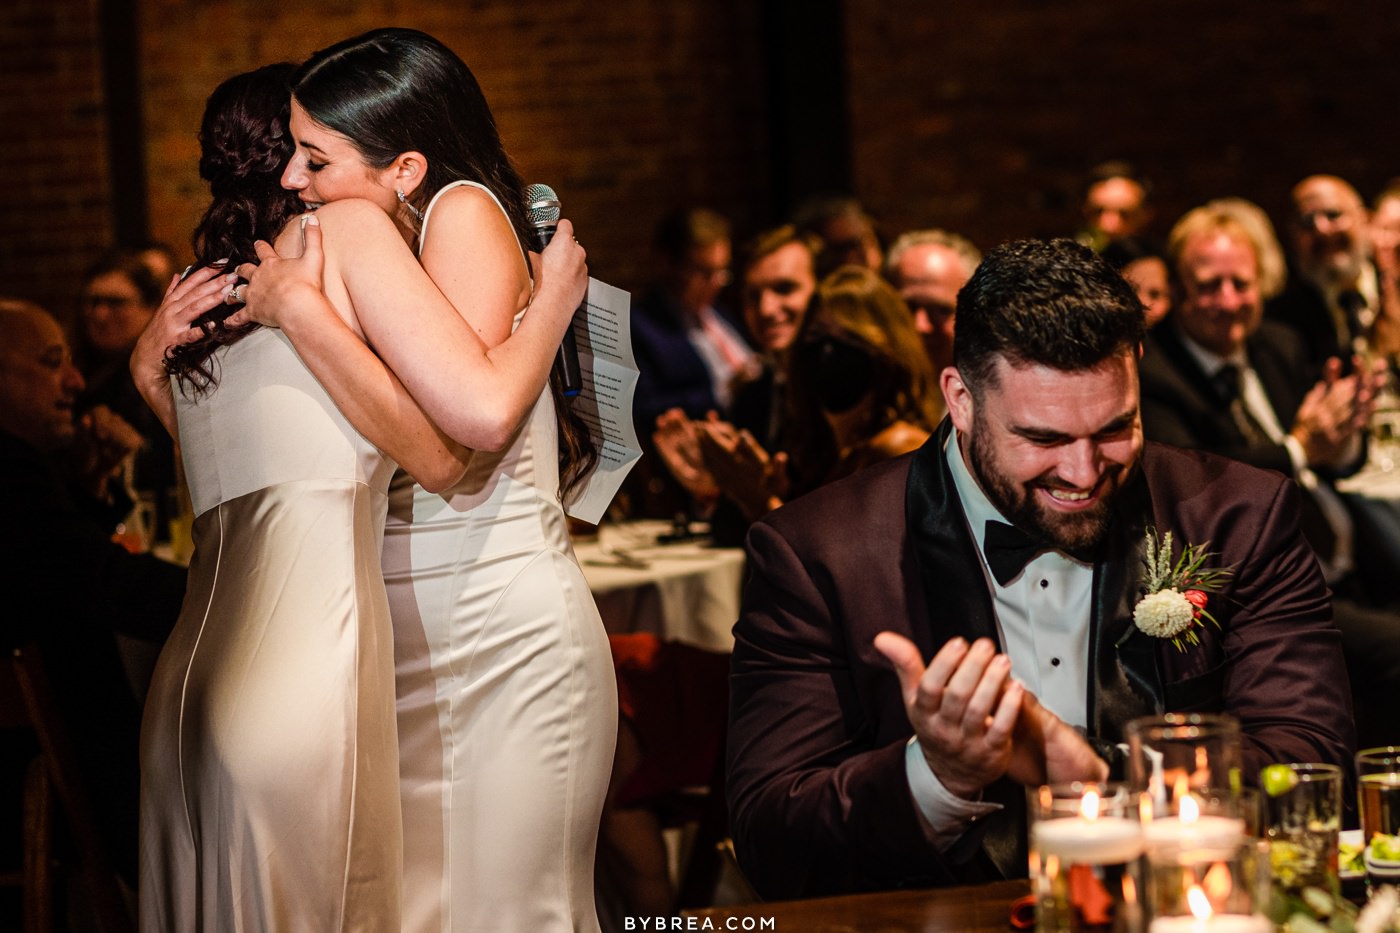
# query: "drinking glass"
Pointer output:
{"type": "Point", "coordinates": [1378, 783]}
{"type": "Point", "coordinates": [1302, 820]}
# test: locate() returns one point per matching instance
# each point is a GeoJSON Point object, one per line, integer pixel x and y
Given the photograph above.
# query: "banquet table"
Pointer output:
{"type": "Point", "coordinates": [975, 909]}
{"type": "Point", "coordinates": [683, 591]}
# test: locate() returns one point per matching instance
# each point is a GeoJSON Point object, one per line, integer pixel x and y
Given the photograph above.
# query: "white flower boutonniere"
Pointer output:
{"type": "Point", "coordinates": [1177, 591]}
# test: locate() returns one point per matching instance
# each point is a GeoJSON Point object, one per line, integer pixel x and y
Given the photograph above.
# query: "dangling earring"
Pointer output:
{"type": "Point", "coordinates": [418, 215]}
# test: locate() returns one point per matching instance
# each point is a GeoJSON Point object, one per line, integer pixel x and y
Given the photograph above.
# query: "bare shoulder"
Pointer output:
{"type": "Point", "coordinates": [340, 219]}
{"type": "Point", "coordinates": [468, 215]}
{"type": "Point", "coordinates": [357, 216]}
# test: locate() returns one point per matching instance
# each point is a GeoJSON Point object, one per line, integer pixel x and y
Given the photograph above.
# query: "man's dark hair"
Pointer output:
{"type": "Point", "coordinates": [1053, 303]}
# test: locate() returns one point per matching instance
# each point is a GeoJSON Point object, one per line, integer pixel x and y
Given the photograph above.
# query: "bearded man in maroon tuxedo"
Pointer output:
{"type": "Point", "coordinates": [1009, 552]}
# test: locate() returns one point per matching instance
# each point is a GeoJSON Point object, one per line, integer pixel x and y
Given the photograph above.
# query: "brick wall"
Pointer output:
{"type": "Point", "coordinates": [980, 117]}
{"type": "Point", "coordinates": [984, 117]}
{"type": "Point", "coordinates": [625, 108]}
{"type": "Point", "coordinates": [53, 157]}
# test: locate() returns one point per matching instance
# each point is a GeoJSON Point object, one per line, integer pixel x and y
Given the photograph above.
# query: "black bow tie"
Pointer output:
{"type": "Point", "coordinates": [1008, 550]}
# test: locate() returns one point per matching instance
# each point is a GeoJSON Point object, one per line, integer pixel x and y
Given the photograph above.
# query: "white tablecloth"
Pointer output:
{"type": "Point", "coordinates": [686, 591]}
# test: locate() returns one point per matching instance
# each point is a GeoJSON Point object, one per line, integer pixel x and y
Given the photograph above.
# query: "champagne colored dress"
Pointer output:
{"type": "Point", "coordinates": [269, 798]}
{"type": "Point", "coordinates": [506, 699]}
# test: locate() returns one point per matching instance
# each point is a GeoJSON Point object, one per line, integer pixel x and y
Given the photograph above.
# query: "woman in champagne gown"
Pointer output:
{"type": "Point", "coordinates": [270, 784]}
{"type": "Point", "coordinates": [506, 698]}
{"type": "Point", "coordinates": [270, 718]}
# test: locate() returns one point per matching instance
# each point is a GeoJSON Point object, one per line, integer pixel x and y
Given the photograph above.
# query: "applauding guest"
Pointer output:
{"type": "Point", "coordinates": [845, 775]}
{"type": "Point", "coordinates": [1217, 378]}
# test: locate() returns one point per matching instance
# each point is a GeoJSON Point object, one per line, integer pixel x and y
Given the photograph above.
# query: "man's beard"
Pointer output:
{"type": "Point", "coordinates": [1333, 271]}
{"type": "Point", "coordinates": [1076, 533]}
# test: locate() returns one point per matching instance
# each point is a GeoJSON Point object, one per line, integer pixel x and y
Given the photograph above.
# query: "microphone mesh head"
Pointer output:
{"type": "Point", "coordinates": [543, 205]}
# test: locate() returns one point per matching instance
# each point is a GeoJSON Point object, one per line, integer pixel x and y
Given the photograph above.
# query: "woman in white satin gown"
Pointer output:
{"type": "Point", "coordinates": [507, 705]}
{"type": "Point", "coordinates": [269, 796]}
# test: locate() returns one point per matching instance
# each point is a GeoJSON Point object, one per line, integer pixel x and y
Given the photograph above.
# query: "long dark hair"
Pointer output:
{"type": "Point", "coordinates": [855, 307]}
{"type": "Point", "coordinates": [244, 146]}
{"type": "Point", "coordinates": [390, 91]}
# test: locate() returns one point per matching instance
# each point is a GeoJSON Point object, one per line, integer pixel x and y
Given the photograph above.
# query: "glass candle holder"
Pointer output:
{"type": "Point", "coordinates": [1180, 753]}
{"type": "Point", "coordinates": [1195, 826]}
{"type": "Point", "coordinates": [1224, 890]}
{"type": "Point", "coordinates": [1086, 844]}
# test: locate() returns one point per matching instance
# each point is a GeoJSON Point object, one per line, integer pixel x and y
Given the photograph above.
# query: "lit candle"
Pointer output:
{"type": "Point", "coordinates": [1204, 920]}
{"type": "Point", "coordinates": [1089, 839]}
{"type": "Point", "coordinates": [1192, 831]}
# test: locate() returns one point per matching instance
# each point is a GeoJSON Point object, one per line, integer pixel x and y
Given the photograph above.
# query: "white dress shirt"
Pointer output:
{"type": "Point", "coordinates": [725, 354]}
{"type": "Point", "coordinates": [1042, 618]}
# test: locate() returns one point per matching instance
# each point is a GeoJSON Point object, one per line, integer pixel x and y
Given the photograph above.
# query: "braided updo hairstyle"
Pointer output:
{"type": "Point", "coordinates": [244, 143]}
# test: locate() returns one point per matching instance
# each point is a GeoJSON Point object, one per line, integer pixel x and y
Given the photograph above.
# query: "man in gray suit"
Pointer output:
{"type": "Point", "coordinates": [1009, 550]}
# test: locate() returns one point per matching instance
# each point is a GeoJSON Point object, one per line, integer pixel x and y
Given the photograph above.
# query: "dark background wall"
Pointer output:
{"type": "Point", "coordinates": [980, 117]}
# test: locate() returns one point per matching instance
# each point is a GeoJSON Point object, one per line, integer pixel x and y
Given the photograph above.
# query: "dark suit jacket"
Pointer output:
{"type": "Point", "coordinates": [68, 587]}
{"type": "Point", "coordinates": [1304, 309]}
{"type": "Point", "coordinates": [671, 373]}
{"type": "Point", "coordinates": [1182, 408]}
{"type": "Point", "coordinates": [819, 799]}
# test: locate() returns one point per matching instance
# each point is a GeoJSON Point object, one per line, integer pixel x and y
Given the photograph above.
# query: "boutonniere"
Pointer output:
{"type": "Point", "coordinates": [1177, 590]}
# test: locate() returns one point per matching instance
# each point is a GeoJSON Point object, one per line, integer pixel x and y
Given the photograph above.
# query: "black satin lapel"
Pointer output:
{"type": "Point", "coordinates": [954, 585]}
{"type": "Point", "coordinates": [1126, 681]}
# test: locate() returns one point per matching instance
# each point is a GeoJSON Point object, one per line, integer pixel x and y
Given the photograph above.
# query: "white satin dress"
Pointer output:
{"type": "Point", "coordinates": [507, 702]}
{"type": "Point", "coordinates": [269, 780]}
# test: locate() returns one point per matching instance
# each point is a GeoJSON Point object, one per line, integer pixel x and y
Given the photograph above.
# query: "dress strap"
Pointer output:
{"type": "Point", "coordinates": [423, 234]}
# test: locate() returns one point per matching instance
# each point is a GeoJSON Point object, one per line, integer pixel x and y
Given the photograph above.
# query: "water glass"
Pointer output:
{"type": "Point", "coordinates": [1302, 820]}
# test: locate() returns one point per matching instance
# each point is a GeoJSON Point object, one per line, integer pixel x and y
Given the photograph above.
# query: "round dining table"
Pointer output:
{"type": "Point", "coordinates": [644, 578]}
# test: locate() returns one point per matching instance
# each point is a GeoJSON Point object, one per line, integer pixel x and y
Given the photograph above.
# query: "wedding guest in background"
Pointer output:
{"type": "Point", "coordinates": [776, 289]}
{"type": "Point", "coordinates": [1115, 204]}
{"type": "Point", "coordinates": [862, 391]}
{"type": "Point", "coordinates": [1384, 232]}
{"type": "Point", "coordinates": [845, 775]}
{"type": "Point", "coordinates": [690, 355]}
{"type": "Point", "coordinates": [1273, 265]}
{"type": "Point", "coordinates": [120, 294]}
{"type": "Point", "coordinates": [1217, 378]}
{"type": "Point", "coordinates": [930, 267]}
{"type": "Point", "coordinates": [1333, 294]}
{"type": "Point", "coordinates": [1142, 261]}
{"type": "Point", "coordinates": [847, 231]}
{"type": "Point", "coordinates": [67, 585]}
{"type": "Point", "coordinates": [160, 258]}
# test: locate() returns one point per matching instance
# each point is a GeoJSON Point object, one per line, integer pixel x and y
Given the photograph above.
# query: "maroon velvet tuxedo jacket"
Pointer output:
{"type": "Point", "coordinates": [818, 795]}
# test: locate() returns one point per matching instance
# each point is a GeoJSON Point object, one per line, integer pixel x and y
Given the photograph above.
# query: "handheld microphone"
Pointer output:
{"type": "Point", "coordinates": [543, 206]}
